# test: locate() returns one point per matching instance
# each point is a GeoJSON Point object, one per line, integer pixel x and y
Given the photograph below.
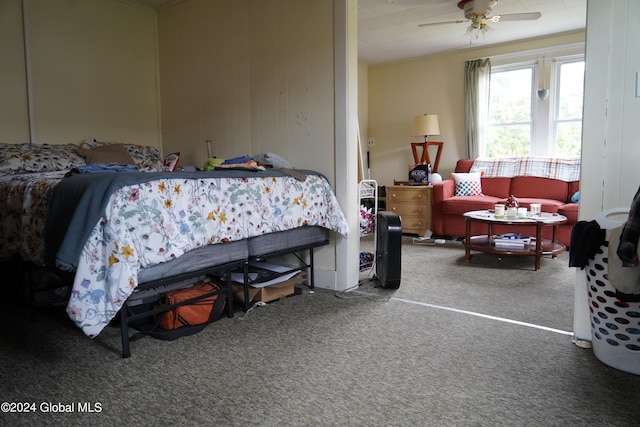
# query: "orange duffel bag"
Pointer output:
{"type": "Point", "coordinates": [207, 304]}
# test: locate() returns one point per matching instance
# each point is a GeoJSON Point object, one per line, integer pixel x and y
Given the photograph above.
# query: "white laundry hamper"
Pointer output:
{"type": "Point", "coordinates": [615, 324]}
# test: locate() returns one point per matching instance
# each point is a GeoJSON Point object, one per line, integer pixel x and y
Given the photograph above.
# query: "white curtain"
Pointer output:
{"type": "Point", "coordinates": [477, 78]}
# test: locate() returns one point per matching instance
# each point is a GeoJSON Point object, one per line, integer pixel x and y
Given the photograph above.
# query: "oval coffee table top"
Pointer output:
{"type": "Point", "coordinates": [489, 216]}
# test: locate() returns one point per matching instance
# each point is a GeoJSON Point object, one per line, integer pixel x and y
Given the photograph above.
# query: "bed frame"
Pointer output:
{"type": "Point", "coordinates": [230, 256]}
{"type": "Point", "coordinates": [211, 260]}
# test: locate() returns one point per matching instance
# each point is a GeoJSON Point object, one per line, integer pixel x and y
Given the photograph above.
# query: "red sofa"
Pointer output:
{"type": "Point", "coordinates": [553, 194]}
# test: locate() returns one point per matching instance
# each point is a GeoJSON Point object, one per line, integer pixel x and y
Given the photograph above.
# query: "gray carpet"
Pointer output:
{"type": "Point", "coordinates": [370, 357]}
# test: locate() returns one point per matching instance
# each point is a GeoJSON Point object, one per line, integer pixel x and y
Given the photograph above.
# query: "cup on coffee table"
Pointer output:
{"type": "Point", "coordinates": [536, 209]}
{"type": "Point", "coordinates": [499, 210]}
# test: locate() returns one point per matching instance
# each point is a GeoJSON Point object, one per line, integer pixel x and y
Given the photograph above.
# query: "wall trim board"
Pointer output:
{"type": "Point", "coordinates": [27, 70]}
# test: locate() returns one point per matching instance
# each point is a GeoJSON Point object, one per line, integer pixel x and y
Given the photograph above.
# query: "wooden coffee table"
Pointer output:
{"type": "Point", "coordinates": [538, 247]}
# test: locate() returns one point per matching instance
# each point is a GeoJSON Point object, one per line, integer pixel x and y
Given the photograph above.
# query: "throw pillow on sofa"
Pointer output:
{"type": "Point", "coordinates": [467, 184]}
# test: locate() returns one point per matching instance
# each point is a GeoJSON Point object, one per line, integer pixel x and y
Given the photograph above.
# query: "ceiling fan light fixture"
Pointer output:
{"type": "Point", "coordinates": [486, 30]}
{"type": "Point", "coordinates": [477, 31]}
{"type": "Point", "coordinates": [479, 12]}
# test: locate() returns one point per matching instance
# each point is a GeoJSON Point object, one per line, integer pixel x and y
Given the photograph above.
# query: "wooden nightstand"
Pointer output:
{"type": "Point", "coordinates": [413, 204]}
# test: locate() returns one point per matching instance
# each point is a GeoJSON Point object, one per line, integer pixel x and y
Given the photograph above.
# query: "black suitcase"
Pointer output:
{"type": "Point", "coordinates": [388, 249]}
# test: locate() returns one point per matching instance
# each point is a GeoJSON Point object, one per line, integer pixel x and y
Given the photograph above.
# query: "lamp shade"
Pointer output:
{"type": "Point", "coordinates": [425, 125]}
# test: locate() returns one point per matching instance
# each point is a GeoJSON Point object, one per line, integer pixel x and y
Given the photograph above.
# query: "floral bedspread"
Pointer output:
{"type": "Point", "coordinates": [157, 221]}
{"type": "Point", "coordinates": [24, 201]}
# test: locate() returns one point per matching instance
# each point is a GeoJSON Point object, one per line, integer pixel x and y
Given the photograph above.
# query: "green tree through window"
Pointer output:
{"type": "Point", "coordinates": [569, 111]}
{"type": "Point", "coordinates": [520, 124]}
{"type": "Point", "coordinates": [509, 131]}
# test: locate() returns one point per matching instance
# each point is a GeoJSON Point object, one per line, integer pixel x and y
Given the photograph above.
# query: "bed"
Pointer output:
{"type": "Point", "coordinates": [119, 233]}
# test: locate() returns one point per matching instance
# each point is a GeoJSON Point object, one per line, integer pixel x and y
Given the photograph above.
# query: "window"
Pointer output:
{"type": "Point", "coordinates": [510, 117]}
{"type": "Point", "coordinates": [568, 109]}
{"type": "Point", "coordinates": [519, 123]}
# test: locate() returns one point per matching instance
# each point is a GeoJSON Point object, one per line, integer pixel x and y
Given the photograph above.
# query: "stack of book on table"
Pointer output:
{"type": "Point", "coordinates": [511, 240]}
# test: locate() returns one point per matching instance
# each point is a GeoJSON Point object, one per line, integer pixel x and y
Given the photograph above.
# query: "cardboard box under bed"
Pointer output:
{"type": "Point", "coordinates": [268, 293]}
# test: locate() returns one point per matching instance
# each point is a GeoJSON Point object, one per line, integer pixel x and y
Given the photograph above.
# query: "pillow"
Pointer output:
{"type": "Point", "coordinates": [32, 158]}
{"type": "Point", "coordinates": [576, 197]}
{"type": "Point", "coordinates": [146, 157]}
{"type": "Point", "coordinates": [467, 184]}
{"type": "Point", "coordinates": [112, 153]}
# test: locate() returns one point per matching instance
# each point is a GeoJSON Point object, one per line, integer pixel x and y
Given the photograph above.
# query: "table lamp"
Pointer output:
{"type": "Point", "coordinates": [426, 125]}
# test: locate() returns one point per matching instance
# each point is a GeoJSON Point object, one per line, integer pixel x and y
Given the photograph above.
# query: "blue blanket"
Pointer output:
{"type": "Point", "coordinates": [78, 202]}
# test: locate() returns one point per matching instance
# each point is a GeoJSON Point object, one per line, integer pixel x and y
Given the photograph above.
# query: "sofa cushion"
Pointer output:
{"type": "Point", "coordinates": [462, 204]}
{"type": "Point", "coordinates": [467, 184]}
{"type": "Point", "coordinates": [573, 187]}
{"type": "Point", "coordinates": [548, 205]}
{"type": "Point", "coordinates": [570, 210]}
{"type": "Point", "coordinates": [541, 188]}
{"type": "Point", "coordinates": [464, 165]}
{"type": "Point", "coordinates": [498, 187]}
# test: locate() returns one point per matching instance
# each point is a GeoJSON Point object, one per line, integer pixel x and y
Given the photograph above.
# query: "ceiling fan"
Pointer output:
{"type": "Point", "coordinates": [478, 12]}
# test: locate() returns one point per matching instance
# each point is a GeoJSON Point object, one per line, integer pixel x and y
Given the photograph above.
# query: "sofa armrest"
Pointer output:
{"type": "Point", "coordinates": [441, 191]}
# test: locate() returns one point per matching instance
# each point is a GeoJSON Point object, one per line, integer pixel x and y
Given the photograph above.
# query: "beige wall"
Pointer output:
{"type": "Point", "coordinates": [93, 72]}
{"type": "Point", "coordinates": [363, 117]}
{"type": "Point", "coordinates": [434, 85]}
{"type": "Point", "coordinates": [250, 75]}
{"type": "Point", "coordinates": [258, 76]}
{"type": "Point", "coordinates": [14, 116]}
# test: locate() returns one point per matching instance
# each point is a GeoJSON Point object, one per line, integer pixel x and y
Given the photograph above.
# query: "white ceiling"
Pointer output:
{"type": "Point", "coordinates": [388, 29]}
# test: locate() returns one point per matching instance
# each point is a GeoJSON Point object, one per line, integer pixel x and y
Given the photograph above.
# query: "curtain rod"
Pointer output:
{"type": "Point", "coordinates": [580, 46]}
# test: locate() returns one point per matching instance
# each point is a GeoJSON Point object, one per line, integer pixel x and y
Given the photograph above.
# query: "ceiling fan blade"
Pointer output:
{"type": "Point", "coordinates": [429, 24]}
{"type": "Point", "coordinates": [517, 17]}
